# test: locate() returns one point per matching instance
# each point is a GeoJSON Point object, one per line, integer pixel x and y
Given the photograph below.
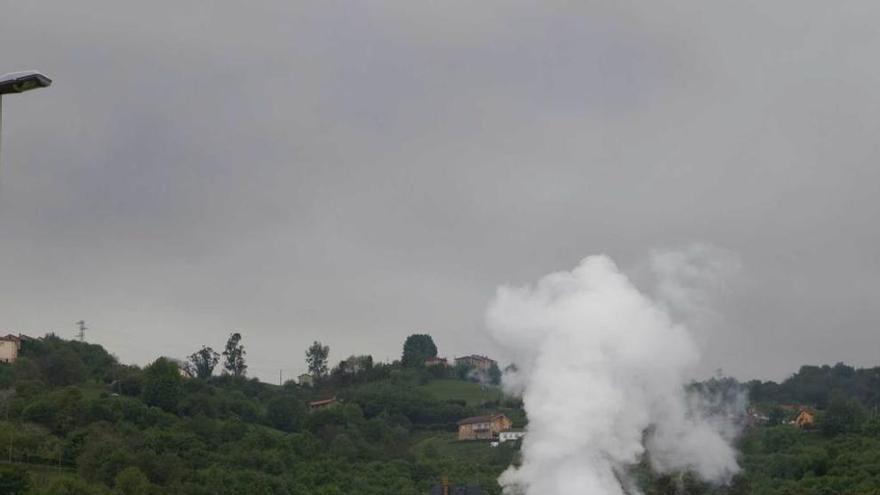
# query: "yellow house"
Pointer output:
{"type": "Point", "coordinates": [483, 427]}
{"type": "Point", "coordinates": [475, 361]}
{"type": "Point", "coordinates": [805, 419]}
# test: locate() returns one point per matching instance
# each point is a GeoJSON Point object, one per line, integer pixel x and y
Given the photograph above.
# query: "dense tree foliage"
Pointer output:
{"type": "Point", "coordinates": [815, 385]}
{"type": "Point", "coordinates": [162, 384]}
{"type": "Point", "coordinates": [203, 361]}
{"type": "Point", "coordinates": [840, 454]}
{"type": "Point", "coordinates": [844, 415]}
{"type": "Point", "coordinates": [233, 356]}
{"type": "Point", "coordinates": [124, 430]}
{"type": "Point", "coordinates": [13, 480]}
{"type": "Point", "coordinates": [114, 429]}
{"type": "Point", "coordinates": [316, 358]}
{"type": "Point", "coordinates": [416, 349]}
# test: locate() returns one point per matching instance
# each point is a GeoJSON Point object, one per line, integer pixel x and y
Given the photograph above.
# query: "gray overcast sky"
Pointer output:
{"type": "Point", "coordinates": [357, 171]}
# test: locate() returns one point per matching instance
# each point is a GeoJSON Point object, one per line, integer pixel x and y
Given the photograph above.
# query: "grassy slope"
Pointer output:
{"type": "Point", "coordinates": [473, 463]}
{"type": "Point", "coordinates": [447, 445]}
{"type": "Point", "coordinates": [475, 396]}
{"type": "Point", "coordinates": [462, 390]}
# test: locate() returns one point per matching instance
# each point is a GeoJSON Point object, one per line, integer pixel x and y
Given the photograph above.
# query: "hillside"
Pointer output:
{"type": "Point", "coordinates": [75, 421]}
{"type": "Point", "coordinates": [473, 394]}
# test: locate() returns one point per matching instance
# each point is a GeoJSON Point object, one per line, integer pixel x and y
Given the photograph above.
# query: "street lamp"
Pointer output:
{"type": "Point", "coordinates": [19, 82]}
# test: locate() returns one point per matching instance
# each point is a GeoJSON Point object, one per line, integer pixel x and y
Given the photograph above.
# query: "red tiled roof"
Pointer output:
{"type": "Point", "coordinates": [479, 419]}
{"type": "Point", "coordinates": [476, 357]}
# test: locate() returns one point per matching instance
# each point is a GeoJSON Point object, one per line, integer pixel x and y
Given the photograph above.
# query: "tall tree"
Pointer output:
{"type": "Point", "coordinates": [494, 374]}
{"type": "Point", "coordinates": [357, 364]}
{"type": "Point", "coordinates": [162, 384]}
{"type": "Point", "coordinates": [316, 357]}
{"type": "Point", "coordinates": [417, 348]}
{"type": "Point", "coordinates": [233, 356]}
{"type": "Point", "coordinates": [203, 362]}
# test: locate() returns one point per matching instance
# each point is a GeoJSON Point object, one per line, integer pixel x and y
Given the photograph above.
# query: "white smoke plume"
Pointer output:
{"type": "Point", "coordinates": [601, 368]}
{"type": "Point", "coordinates": [685, 280]}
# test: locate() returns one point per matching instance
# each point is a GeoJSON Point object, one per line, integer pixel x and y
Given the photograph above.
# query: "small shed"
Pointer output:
{"type": "Point", "coordinates": [322, 404]}
{"type": "Point", "coordinates": [510, 435]}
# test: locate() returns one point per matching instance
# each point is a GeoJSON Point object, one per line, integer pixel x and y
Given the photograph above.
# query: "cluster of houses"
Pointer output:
{"type": "Point", "coordinates": [796, 415]}
{"type": "Point", "coordinates": [473, 361]}
{"type": "Point", "coordinates": [494, 427]}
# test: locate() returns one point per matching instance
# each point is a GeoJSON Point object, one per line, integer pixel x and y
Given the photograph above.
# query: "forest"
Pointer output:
{"type": "Point", "coordinates": [76, 421]}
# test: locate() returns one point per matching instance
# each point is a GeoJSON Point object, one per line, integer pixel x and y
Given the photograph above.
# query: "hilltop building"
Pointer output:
{"type": "Point", "coordinates": [436, 361]}
{"type": "Point", "coordinates": [10, 345]}
{"type": "Point", "coordinates": [799, 415]}
{"type": "Point", "coordinates": [755, 417]}
{"type": "Point", "coordinates": [475, 361]}
{"type": "Point", "coordinates": [483, 427]}
{"type": "Point", "coordinates": [356, 364]}
{"type": "Point", "coordinates": [183, 368]}
{"type": "Point", "coordinates": [306, 379]}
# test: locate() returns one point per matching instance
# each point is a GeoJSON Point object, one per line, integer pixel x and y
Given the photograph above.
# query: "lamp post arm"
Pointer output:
{"type": "Point", "coordinates": [1, 132]}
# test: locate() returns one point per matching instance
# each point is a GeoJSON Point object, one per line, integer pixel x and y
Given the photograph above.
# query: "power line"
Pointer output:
{"type": "Point", "coordinates": [82, 330]}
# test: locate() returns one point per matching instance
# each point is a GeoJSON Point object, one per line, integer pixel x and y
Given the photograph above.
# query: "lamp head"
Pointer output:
{"type": "Point", "coordinates": [19, 82]}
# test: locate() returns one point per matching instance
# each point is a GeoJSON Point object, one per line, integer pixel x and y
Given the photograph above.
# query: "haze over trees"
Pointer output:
{"type": "Point", "coordinates": [494, 374]}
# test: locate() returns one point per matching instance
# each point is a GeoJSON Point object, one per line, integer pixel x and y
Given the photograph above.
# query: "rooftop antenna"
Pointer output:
{"type": "Point", "coordinates": [81, 334]}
